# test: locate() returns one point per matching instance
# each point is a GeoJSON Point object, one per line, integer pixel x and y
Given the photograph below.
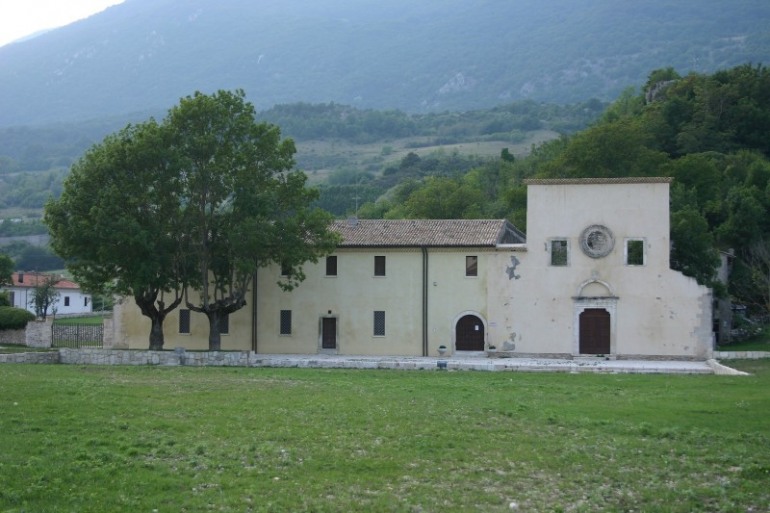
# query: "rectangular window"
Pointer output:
{"type": "Point", "coordinates": [285, 269]}
{"type": "Point", "coordinates": [471, 266]}
{"type": "Point", "coordinates": [285, 322]}
{"type": "Point", "coordinates": [559, 252]}
{"type": "Point", "coordinates": [85, 301]}
{"type": "Point", "coordinates": [224, 325]}
{"type": "Point", "coordinates": [184, 320]}
{"type": "Point", "coordinates": [331, 265]}
{"type": "Point", "coordinates": [379, 266]}
{"type": "Point", "coordinates": [379, 324]}
{"type": "Point", "coordinates": [66, 301]}
{"type": "Point", "coordinates": [635, 252]}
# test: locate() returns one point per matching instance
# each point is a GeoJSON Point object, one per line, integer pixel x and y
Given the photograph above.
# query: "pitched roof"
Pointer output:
{"type": "Point", "coordinates": [33, 279]}
{"type": "Point", "coordinates": [427, 233]}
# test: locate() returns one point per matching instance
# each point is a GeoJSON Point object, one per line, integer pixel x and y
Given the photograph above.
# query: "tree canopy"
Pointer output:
{"type": "Point", "coordinates": [197, 202]}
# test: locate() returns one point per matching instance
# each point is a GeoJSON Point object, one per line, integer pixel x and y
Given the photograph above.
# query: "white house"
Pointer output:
{"type": "Point", "coordinates": [591, 278]}
{"type": "Point", "coordinates": [69, 298]}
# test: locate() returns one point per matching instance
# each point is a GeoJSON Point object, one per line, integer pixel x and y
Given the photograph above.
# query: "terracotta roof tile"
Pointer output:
{"type": "Point", "coordinates": [30, 280]}
{"type": "Point", "coordinates": [427, 232]}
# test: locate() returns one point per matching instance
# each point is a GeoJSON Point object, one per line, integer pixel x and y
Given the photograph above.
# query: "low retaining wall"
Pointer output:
{"type": "Point", "coordinates": [121, 357]}
{"type": "Point", "coordinates": [33, 357]}
{"type": "Point", "coordinates": [741, 355]}
{"type": "Point", "coordinates": [13, 337]}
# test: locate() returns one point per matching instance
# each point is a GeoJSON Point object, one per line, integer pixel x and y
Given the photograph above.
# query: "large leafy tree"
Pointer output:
{"type": "Point", "coordinates": [117, 222]}
{"type": "Point", "coordinates": [244, 207]}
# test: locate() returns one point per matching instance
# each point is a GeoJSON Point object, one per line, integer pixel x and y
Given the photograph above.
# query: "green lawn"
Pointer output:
{"type": "Point", "coordinates": [147, 439]}
{"type": "Point", "coordinates": [92, 320]}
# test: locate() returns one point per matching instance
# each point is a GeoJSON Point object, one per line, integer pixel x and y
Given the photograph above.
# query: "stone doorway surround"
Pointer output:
{"type": "Point", "coordinates": [594, 293]}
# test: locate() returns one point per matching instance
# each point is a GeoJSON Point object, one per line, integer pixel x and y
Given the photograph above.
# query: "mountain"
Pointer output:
{"type": "Point", "coordinates": [417, 56]}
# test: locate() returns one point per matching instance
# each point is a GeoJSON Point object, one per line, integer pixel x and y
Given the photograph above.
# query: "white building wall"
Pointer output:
{"type": "Point", "coordinates": [654, 310]}
{"type": "Point", "coordinates": [69, 301]}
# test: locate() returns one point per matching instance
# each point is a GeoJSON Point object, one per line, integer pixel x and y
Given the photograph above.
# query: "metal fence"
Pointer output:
{"type": "Point", "coordinates": [76, 336]}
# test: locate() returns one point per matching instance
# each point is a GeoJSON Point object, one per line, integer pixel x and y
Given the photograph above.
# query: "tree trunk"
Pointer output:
{"type": "Point", "coordinates": [215, 338]}
{"type": "Point", "coordinates": [156, 333]}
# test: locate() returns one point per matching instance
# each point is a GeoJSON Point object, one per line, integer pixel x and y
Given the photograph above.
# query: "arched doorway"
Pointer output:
{"type": "Point", "coordinates": [595, 331]}
{"type": "Point", "coordinates": [469, 334]}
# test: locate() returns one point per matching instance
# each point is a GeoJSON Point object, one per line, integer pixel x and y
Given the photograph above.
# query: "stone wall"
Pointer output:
{"type": "Point", "coordinates": [741, 355]}
{"type": "Point", "coordinates": [177, 357]}
{"type": "Point", "coordinates": [35, 357]}
{"type": "Point", "coordinates": [39, 333]}
{"type": "Point", "coordinates": [14, 337]}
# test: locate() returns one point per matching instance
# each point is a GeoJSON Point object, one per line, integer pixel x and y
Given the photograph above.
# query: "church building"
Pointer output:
{"type": "Point", "coordinates": [591, 277]}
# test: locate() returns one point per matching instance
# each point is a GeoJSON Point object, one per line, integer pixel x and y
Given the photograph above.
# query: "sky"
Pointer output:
{"type": "Point", "coordinates": [20, 18]}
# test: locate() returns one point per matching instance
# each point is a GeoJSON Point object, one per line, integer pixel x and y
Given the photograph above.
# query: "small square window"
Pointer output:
{"type": "Point", "coordinates": [379, 266]}
{"type": "Point", "coordinates": [331, 265]}
{"type": "Point", "coordinates": [471, 266]}
{"type": "Point", "coordinates": [184, 320]}
{"type": "Point", "coordinates": [379, 324]}
{"type": "Point", "coordinates": [635, 252]}
{"type": "Point", "coordinates": [559, 252]}
{"type": "Point", "coordinates": [285, 322]}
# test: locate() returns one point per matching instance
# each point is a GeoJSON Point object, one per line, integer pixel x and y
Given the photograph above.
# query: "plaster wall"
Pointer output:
{"type": "Point", "coordinates": [132, 329]}
{"type": "Point", "coordinates": [351, 297]}
{"type": "Point", "coordinates": [654, 310]}
{"type": "Point", "coordinates": [355, 294]}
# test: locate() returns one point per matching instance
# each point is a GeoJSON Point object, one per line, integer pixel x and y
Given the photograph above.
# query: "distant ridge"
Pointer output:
{"type": "Point", "coordinates": [431, 55]}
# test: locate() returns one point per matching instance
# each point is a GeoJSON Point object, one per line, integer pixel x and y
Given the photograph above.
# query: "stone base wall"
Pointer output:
{"type": "Point", "coordinates": [172, 358]}
{"type": "Point", "coordinates": [36, 357]}
{"type": "Point", "coordinates": [741, 355]}
{"type": "Point", "coordinates": [13, 337]}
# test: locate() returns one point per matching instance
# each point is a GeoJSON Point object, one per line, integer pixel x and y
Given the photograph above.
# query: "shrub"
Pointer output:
{"type": "Point", "coordinates": [14, 318]}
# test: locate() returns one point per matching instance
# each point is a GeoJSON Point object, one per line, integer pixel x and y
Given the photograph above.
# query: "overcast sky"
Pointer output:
{"type": "Point", "coordinates": [19, 18]}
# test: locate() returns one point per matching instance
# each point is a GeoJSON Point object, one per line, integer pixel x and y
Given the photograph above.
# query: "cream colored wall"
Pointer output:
{"type": "Point", "coordinates": [355, 293]}
{"type": "Point", "coordinates": [352, 297]}
{"type": "Point", "coordinates": [657, 311]}
{"type": "Point", "coordinates": [453, 295]}
{"type": "Point", "coordinates": [133, 329]}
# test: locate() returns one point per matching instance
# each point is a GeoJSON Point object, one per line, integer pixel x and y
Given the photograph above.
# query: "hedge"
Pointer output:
{"type": "Point", "coordinates": [14, 318]}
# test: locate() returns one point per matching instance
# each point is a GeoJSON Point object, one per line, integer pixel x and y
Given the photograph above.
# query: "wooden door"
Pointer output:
{"type": "Point", "coordinates": [595, 331]}
{"type": "Point", "coordinates": [469, 334]}
{"type": "Point", "coordinates": [329, 333]}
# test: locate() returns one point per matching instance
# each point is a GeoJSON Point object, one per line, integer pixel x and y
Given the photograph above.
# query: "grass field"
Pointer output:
{"type": "Point", "coordinates": [90, 320]}
{"type": "Point", "coordinates": [153, 439]}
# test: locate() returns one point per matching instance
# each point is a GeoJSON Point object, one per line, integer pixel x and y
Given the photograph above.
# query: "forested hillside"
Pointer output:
{"type": "Point", "coordinates": [424, 56]}
{"type": "Point", "coordinates": [711, 133]}
{"type": "Point", "coordinates": [331, 138]}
